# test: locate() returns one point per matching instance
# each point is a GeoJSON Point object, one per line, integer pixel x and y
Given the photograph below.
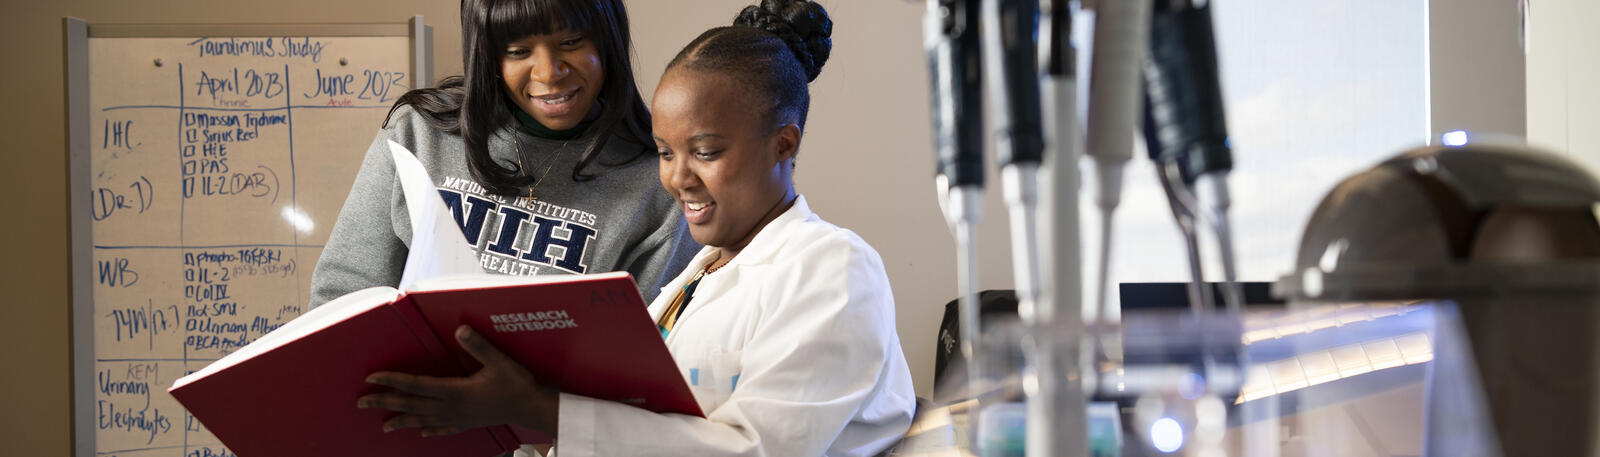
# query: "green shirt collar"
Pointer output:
{"type": "Point", "coordinates": [533, 127]}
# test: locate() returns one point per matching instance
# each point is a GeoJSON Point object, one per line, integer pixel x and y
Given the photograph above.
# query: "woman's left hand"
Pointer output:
{"type": "Point", "coordinates": [503, 392]}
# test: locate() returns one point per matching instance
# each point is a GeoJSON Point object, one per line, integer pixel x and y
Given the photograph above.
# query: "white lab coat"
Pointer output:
{"type": "Point", "coordinates": [790, 349]}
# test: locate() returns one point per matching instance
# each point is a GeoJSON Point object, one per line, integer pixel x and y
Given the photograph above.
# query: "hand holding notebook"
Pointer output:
{"type": "Point", "coordinates": [294, 391]}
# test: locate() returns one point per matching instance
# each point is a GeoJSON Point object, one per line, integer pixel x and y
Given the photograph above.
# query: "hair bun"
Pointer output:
{"type": "Point", "coordinates": [802, 24]}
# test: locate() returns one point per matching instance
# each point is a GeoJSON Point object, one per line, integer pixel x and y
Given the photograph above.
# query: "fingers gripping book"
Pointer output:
{"type": "Point", "coordinates": [293, 391]}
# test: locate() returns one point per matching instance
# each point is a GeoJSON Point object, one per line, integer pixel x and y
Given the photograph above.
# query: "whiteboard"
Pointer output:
{"type": "Point", "coordinates": [208, 164]}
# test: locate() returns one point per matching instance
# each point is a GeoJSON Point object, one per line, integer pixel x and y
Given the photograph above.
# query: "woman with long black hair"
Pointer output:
{"type": "Point", "coordinates": [542, 152]}
{"type": "Point", "coordinates": [784, 324]}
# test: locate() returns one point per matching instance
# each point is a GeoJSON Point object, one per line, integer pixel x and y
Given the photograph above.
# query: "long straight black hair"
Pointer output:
{"type": "Point", "coordinates": [475, 105]}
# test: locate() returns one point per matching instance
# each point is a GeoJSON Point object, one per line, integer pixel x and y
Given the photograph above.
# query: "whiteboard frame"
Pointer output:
{"type": "Point", "coordinates": [77, 34]}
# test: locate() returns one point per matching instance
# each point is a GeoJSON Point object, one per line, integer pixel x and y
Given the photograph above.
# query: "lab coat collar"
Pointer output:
{"type": "Point", "coordinates": [770, 239]}
{"type": "Point", "coordinates": [762, 249]}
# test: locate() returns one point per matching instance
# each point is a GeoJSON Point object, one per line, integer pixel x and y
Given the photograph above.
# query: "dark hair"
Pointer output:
{"type": "Point", "coordinates": [475, 105]}
{"type": "Point", "coordinates": [774, 50]}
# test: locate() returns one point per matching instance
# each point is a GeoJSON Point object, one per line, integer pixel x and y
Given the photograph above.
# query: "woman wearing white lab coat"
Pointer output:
{"type": "Point", "coordinates": [789, 347]}
{"type": "Point", "coordinates": [783, 325]}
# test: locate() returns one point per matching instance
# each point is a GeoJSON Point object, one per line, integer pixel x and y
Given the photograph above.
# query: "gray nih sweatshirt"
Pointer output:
{"type": "Point", "coordinates": [622, 220]}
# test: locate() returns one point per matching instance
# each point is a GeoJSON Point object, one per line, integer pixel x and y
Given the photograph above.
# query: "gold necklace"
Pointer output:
{"type": "Point", "coordinates": [548, 165]}
{"type": "Point", "coordinates": [712, 267]}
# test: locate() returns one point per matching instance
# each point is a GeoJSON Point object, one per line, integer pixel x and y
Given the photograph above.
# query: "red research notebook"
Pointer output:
{"type": "Point", "coordinates": [295, 393]}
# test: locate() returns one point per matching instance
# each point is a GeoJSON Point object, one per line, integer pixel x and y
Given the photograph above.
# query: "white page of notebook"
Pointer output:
{"type": "Point", "coordinates": [437, 245]}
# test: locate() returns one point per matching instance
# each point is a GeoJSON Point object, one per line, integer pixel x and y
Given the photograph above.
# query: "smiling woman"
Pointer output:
{"type": "Point", "coordinates": [733, 174]}
{"type": "Point", "coordinates": [553, 77]}
{"type": "Point", "coordinates": [548, 86]}
{"type": "Point", "coordinates": [784, 324]}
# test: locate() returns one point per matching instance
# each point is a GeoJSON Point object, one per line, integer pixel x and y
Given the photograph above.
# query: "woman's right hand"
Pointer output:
{"type": "Point", "coordinates": [502, 392]}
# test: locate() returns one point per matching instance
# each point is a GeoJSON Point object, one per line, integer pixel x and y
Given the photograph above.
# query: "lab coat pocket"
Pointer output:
{"type": "Point", "coordinates": [713, 378]}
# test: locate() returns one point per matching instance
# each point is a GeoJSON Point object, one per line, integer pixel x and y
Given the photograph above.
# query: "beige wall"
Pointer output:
{"type": "Point", "coordinates": [1475, 68]}
{"type": "Point", "coordinates": [1563, 71]}
{"type": "Point", "coordinates": [865, 164]}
